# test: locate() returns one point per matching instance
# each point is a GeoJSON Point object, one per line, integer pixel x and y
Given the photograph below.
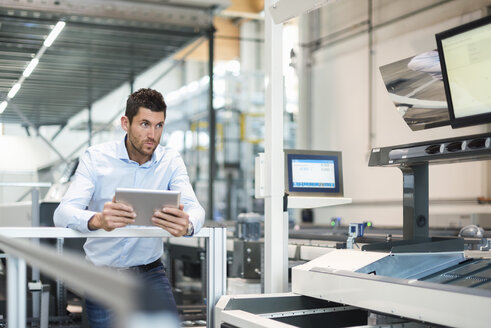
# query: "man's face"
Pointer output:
{"type": "Point", "coordinates": [143, 133]}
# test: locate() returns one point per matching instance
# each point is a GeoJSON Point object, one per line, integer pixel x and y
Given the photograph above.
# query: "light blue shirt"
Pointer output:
{"type": "Point", "coordinates": [101, 170]}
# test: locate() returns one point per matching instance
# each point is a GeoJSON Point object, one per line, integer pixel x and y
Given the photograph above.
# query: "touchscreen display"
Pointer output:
{"type": "Point", "coordinates": [313, 173]}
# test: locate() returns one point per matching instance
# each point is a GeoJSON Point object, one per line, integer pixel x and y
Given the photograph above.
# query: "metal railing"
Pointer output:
{"type": "Point", "coordinates": [34, 191]}
{"type": "Point", "coordinates": [118, 291]}
{"type": "Point", "coordinates": [35, 220]}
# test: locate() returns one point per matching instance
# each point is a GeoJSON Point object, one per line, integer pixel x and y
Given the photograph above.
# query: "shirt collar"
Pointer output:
{"type": "Point", "coordinates": [122, 153]}
{"type": "Point", "coordinates": [157, 154]}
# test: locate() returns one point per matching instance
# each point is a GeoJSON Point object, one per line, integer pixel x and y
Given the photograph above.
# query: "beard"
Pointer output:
{"type": "Point", "coordinates": [140, 147]}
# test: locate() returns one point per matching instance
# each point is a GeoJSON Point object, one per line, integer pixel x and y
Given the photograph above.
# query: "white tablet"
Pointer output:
{"type": "Point", "coordinates": [146, 201]}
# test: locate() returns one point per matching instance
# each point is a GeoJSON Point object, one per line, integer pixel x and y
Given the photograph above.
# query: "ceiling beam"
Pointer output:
{"type": "Point", "coordinates": [116, 10]}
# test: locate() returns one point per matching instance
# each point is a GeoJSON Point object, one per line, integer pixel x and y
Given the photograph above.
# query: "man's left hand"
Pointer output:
{"type": "Point", "coordinates": [174, 220]}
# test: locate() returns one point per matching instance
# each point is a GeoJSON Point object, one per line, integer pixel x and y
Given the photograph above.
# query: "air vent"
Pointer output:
{"type": "Point", "coordinates": [477, 143]}
{"type": "Point", "coordinates": [433, 149]}
{"type": "Point", "coordinates": [454, 146]}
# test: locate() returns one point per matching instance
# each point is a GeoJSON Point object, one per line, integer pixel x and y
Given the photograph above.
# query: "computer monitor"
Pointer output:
{"type": "Point", "coordinates": [313, 173]}
{"type": "Point", "coordinates": [465, 58]}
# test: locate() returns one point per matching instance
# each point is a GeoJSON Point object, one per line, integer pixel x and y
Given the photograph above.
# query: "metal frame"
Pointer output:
{"type": "Point", "coordinates": [415, 201]}
{"type": "Point", "coordinates": [211, 126]}
{"type": "Point", "coordinates": [76, 274]}
{"type": "Point", "coordinates": [216, 270]}
{"type": "Point", "coordinates": [28, 123]}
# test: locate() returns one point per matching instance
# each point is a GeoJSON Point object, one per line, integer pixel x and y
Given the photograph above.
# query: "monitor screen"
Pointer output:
{"type": "Point", "coordinates": [317, 173]}
{"type": "Point", "coordinates": [465, 57]}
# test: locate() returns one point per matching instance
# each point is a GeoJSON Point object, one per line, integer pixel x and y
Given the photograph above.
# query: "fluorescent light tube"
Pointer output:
{"type": "Point", "coordinates": [54, 33]}
{"type": "Point", "coordinates": [14, 90]}
{"type": "Point", "coordinates": [3, 105]}
{"type": "Point", "coordinates": [32, 65]}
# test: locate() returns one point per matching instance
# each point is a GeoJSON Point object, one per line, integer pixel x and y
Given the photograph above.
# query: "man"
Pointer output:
{"type": "Point", "coordinates": [137, 161]}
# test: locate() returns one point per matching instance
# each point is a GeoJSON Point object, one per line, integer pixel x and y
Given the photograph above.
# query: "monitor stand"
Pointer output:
{"type": "Point", "coordinates": [415, 218]}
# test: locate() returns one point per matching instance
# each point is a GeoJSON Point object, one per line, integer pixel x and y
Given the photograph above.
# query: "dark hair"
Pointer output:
{"type": "Point", "coordinates": [147, 98]}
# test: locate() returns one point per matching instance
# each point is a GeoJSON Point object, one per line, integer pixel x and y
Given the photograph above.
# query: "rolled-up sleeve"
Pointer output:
{"type": "Point", "coordinates": [180, 182]}
{"type": "Point", "coordinates": [72, 211]}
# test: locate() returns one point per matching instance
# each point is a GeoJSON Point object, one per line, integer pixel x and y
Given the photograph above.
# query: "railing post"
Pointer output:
{"type": "Point", "coordinates": [12, 288]}
{"type": "Point", "coordinates": [22, 290]}
{"type": "Point", "coordinates": [35, 275]}
{"type": "Point", "coordinates": [44, 312]}
{"type": "Point", "coordinates": [16, 292]}
{"type": "Point", "coordinates": [60, 285]}
{"type": "Point", "coordinates": [216, 258]}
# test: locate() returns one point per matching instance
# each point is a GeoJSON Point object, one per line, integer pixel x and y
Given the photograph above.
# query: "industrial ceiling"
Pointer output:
{"type": "Point", "coordinates": [103, 45]}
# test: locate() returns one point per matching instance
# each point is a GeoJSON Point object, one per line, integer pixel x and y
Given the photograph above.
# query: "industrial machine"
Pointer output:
{"type": "Point", "coordinates": [419, 280]}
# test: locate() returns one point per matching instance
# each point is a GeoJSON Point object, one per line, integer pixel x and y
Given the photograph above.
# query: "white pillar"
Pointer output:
{"type": "Point", "coordinates": [308, 31]}
{"type": "Point", "coordinates": [276, 227]}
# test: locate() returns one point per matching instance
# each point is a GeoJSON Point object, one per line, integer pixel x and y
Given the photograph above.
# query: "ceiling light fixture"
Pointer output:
{"type": "Point", "coordinates": [3, 105]}
{"type": "Point", "coordinates": [14, 90]}
{"type": "Point", "coordinates": [54, 33]}
{"type": "Point", "coordinates": [32, 65]}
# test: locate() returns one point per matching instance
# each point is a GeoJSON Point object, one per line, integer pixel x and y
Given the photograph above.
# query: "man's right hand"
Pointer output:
{"type": "Point", "coordinates": [114, 215]}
